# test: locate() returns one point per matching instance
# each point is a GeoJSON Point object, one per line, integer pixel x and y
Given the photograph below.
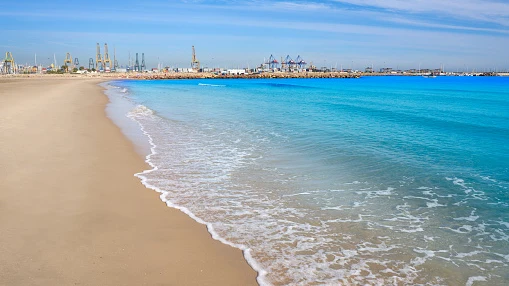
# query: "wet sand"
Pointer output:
{"type": "Point", "coordinates": [71, 211]}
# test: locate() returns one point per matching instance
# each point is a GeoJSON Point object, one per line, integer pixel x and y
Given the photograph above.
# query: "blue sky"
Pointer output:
{"type": "Point", "coordinates": [459, 34]}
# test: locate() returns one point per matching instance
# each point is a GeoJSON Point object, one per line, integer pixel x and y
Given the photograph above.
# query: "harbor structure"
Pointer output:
{"type": "Point", "coordinates": [68, 60]}
{"type": "Point", "coordinates": [143, 66]}
{"type": "Point", "coordinates": [90, 63]}
{"type": "Point", "coordinates": [300, 62]}
{"type": "Point", "coordinates": [98, 59]}
{"type": "Point", "coordinates": [195, 63]}
{"type": "Point", "coordinates": [272, 62]}
{"type": "Point", "coordinates": [288, 64]}
{"type": "Point", "coordinates": [115, 62]}
{"type": "Point", "coordinates": [9, 66]}
{"type": "Point", "coordinates": [137, 64]}
{"type": "Point", "coordinates": [106, 59]}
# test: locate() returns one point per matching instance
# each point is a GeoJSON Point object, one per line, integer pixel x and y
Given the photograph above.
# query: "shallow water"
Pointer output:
{"type": "Point", "coordinates": [378, 180]}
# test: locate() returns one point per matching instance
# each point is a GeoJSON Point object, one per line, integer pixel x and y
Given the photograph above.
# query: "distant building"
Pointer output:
{"type": "Point", "coordinates": [236, 71]}
{"type": "Point", "coordinates": [386, 70]}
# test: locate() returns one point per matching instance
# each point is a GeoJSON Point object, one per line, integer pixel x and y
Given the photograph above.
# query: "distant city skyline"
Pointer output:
{"type": "Point", "coordinates": [460, 35]}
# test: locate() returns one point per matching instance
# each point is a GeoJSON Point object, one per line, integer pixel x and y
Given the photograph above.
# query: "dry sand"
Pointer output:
{"type": "Point", "coordinates": [71, 211]}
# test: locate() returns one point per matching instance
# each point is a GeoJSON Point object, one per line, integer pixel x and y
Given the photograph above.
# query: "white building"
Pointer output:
{"type": "Point", "coordinates": [236, 71]}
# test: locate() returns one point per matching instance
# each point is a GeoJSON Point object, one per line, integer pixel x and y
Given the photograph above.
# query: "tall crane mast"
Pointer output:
{"type": "Point", "coordinates": [9, 65]}
{"type": "Point", "coordinates": [68, 60]}
{"type": "Point", "coordinates": [98, 58]}
{"type": "Point", "coordinates": [143, 66]}
{"type": "Point", "coordinates": [90, 63]}
{"type": "Point", "coordinates": [195, 63]}
{"type": "Point", "coordinates": [137, 64]}
{"type": "Point", "coordinates": [115, 63]}
{"type": "Point", "coordinates": [106, 60]}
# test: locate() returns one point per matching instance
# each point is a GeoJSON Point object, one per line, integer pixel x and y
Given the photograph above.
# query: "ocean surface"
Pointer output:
{"type": "Point", "coordinates": [370, 181]}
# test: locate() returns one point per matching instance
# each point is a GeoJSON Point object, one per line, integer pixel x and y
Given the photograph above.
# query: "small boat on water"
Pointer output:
{"type": "Point", "coordinates": [429, 76]}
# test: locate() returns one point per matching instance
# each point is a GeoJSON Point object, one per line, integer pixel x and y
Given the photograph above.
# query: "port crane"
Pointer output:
{"type": "Point", "coordinates": [115, 62]}
{"type": "Point", "coordinates": [289, 62]}
{"type": "Point", "coordinates": [300, 62]}
{"type": "Point", "coordinates": [195, 63]}
{"type": "Point", "coordinates": [9, 65]}
{"type": "Point", "coordinates": [98, 59]}
{"type": "Point", "coordinates": [68, 60]}
{"type": "Point", "coordinates": [272, 63]}
{"type": "Point", "coordinates": [143, 66]}
{"type": "Point", "coordinates": [106, 59]}
{"type": "Point", "coordinates": [90, 63]}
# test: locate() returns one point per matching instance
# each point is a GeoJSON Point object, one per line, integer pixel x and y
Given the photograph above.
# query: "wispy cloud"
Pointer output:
{"type": "Point", "coordinates": [483, 10]}
{"type": "Point", "coordinates": [417, 23]}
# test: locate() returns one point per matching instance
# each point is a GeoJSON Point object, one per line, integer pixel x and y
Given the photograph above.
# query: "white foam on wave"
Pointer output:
{"type": "Point", "coordinates": [487, 178]}
{"type": "Point", "coordinates": [212, 85]}
{"type": "Point", "coordinates": [377, 193]}
{"type": "Point", "coordinates": [421, 260]}
{"type": "Point", "coordinates": [470, 192]}
{"type": "Point", "coordinates": [472, 217]}
{"type": "Point", "coordinates": [434, 204]}
{"type": "Point", "coordinates": [338, 208]}
{"type": "Point", "coordinates": [506, 224]}
{"type": "Point", "coordinates": [144, 111]}
{"type": "Point", "coordinates": [473, 279]}
{"type": "Point", "coordinates": [298, 194]}
{"type": "Point", "coordinates": [373, 248]}
{"type": "Point", "coordinates": [462, 229]}
{"type": "Point", "coordinates": [140, 111]}
{"type": "Point", "coordinates": [468, 254]}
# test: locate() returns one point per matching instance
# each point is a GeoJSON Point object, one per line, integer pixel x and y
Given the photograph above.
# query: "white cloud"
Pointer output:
{"type": "Point", "coordinates": [484, 10]}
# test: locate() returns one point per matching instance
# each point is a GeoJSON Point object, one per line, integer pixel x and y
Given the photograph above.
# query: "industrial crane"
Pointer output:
{"type": "Point", "coordinates": [9, 65]}
{"type": "Point", "coordinates": [106, 60]}
{"type": "Point", "coordinates": [68, 60]}
{"type": "Point", "coordinates": [98, 59]}
{"type": "Point", "coordinates": [195, 63]}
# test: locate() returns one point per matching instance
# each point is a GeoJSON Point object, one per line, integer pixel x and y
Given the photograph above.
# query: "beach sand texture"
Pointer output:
{"type": "Point", "coordinates": [71, 211]}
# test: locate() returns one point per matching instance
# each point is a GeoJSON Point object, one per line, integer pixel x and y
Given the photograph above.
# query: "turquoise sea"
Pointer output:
{"type": "Point", "coordinates": [370, 181]}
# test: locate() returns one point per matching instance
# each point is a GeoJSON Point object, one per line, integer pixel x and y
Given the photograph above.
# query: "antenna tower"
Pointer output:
{"type": "Point", "coordinates": [76, 62]}
{"type": "Point", "coordinates": [9, 65]}
{"type": "Point", "coordinates": [106, 60]}
{"type": "Point", "coordinates": [195, 63]}
{"type": "Point", "coordinates": [98, 59]}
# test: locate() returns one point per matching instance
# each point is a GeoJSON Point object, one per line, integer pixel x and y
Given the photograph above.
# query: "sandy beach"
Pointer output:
{"type": "Point", "coordinates": [71, 211]}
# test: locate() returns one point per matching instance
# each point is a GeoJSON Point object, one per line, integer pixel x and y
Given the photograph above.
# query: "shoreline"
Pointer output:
{"type": "Point", "coordinates": [212, 76]}
{"type": "Point", "coordinates": [126, 123]}
{"type": "Point", "coordinates": [72, 211]}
